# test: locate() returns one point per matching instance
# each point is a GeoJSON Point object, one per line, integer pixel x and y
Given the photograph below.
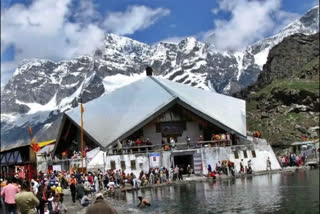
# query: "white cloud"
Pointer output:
{"type": "Point", "coordinates": [250, 21]}
{"type": "Point", "coordinates": [7, 68]}
{"type": "Point", "coordinates": [174, 39]}
{"type": "Point", "coordinates": [133, 19]}
{"type": "Point", "coordinates": [62, 29]}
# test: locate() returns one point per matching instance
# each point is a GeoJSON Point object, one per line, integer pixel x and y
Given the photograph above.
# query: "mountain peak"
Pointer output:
{"type": "Point", "coordinates": [311, 18]}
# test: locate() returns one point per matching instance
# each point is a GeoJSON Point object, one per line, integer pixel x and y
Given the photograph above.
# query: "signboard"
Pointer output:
{"type": "Point", "coordinates": [56, 168]}
{"type": "Point", "coordinates": [154, 160]}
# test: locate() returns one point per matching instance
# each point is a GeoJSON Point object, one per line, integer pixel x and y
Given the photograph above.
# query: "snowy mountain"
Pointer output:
{"type": "Point", "coordinates": [40, 90]}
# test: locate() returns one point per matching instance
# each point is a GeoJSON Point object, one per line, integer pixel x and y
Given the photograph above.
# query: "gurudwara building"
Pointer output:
{"type": "Point", "coordinates": [146, 116]}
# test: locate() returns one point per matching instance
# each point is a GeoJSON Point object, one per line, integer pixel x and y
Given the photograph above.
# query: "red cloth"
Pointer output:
{"type": "Point", "coordinates": [138, 142]}
{"type": "Point", "coordinates": [90, 179]}
{"type": "Point", "coordinates": [212, 174]}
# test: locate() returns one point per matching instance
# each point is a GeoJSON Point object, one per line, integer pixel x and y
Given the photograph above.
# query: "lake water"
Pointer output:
{"type": "Point", "coordinates": [274, 193]}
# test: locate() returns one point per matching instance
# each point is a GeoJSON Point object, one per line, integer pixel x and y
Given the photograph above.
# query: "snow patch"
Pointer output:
{"type": "Point", "coordinates": [36, 107]}
{"type": "Point", "coordinates": [111, 83]}
{"type": "Point", "coordinates": [261, 58]}
{"type": "Point", "coordinates": [71, 85]}
{"type": "Point", "coordinates": [239, 58]}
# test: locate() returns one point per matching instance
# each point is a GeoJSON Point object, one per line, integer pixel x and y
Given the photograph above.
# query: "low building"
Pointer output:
{"type": "Point", "coordinates": [206, 126]}
{"type": "Point", "coordinates": [15, 159]}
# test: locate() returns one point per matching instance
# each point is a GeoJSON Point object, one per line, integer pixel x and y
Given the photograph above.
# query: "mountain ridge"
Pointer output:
{"type": "Point", "coordinates": [41, 90]}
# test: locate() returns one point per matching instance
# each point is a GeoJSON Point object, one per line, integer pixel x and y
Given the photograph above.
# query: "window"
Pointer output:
{"type": "Point", "coordinates": [245, 154]}
{"type": "Point", "coordinates": [133, 164]}
{"type": "Point", "coordinates": [113, 165]}
{"type": "Point", "coordinates": [253, 153]}
{"type": "Point", "coordinates": [236, 155]}
{"type": "Point", "coordinates": [123, 165]}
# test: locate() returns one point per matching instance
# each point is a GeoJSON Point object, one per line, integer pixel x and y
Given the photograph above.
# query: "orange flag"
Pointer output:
{"type": "Point", "coordinates": [30, 130]}
{"type": "Point", "coordinates": [34, 145]}
{"type": "Point", "coordinates": [82, 108]}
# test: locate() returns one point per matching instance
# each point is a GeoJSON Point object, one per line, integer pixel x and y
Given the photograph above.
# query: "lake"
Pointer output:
{"type": "Point", "coordinates": [286, 192]}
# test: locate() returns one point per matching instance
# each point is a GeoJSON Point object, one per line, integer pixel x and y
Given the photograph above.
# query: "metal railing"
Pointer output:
{"type": "Point", "coordinates": [168, 147]}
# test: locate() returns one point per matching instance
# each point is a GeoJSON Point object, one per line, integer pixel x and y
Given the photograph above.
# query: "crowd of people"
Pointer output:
{"type": "Point", "coordinates": [291, 160]}
{"type": "Point", "coordinates": [227, 167]}
{"type": "Point", "coordinates": [45, 192]}
{"type": "Point", "coordinates": [125, 145]}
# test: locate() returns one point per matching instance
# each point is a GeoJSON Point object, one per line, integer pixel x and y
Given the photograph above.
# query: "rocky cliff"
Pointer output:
{"type": "Point", "coordinates": [284, 102]}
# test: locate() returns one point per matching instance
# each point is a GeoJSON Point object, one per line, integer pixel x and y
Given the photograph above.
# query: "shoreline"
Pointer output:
{"type": "Point", "coordinates": [202, 178]}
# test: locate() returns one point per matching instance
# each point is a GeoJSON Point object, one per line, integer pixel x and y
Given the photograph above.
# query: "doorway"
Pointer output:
{"type": "Point", "coordinates": [183, 161]}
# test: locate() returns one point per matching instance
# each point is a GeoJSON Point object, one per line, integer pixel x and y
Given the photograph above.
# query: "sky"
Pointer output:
{"type": "Point", "coordinates": [64, 29]}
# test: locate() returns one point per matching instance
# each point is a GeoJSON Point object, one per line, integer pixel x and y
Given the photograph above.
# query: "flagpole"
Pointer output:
{"type": "Point", "coordinates": [81, 136]}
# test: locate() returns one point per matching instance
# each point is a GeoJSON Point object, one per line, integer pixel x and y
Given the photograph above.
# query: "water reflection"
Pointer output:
{"type": "Point", "coordinates": [273, 193]}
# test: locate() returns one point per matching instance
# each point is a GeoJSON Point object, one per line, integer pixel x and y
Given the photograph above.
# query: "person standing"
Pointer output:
{"type": "Point", "coordinates": [172, 143]}
{"type": "Point", "coordinates": [26, 200]}
{"type": "Point", "coordinates": [209, 169]}
{"type": "Point", "coordinates": [80, 190]}
{"type": "Point", "coordinates": [188, 139]}
{"type": "Point", "coordinates": [180, 173]}
{"type": "Point", "coordinates": [96, 183]}
{"type": "Point", "coordinates": [9, 192]}
{"type": "Point", "coordinates": [73, 188]}
{"type": "Point", "coordinates": [189, 170]}
{"type": "Point", "coordinates": [249, 164]}
{"type": "Point", "coordinates": [176, 173]}
{"type": "Point", "coordinates": [39, 195]}
{"type": "Point", "coordinates": [241, 166]}
{"type": "Point", "coordinates": [268, 164]}
{"type": "Point", "coordinates": [119, 147]}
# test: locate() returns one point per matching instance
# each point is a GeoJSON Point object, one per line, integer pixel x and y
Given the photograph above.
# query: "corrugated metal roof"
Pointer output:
{"type": "Point", "coordinates": [117, 114]}
{"type": "Point", "coordinates": [113, 115]}
{"type": "Point", "coordinates": [226, 110]}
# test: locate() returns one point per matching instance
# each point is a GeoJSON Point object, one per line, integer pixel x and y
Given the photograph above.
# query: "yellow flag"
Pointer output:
{"type": "Point", "coordinates": [82, 108]}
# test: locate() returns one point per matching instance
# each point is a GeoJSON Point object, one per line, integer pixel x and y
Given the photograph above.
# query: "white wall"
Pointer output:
{"type": "Point", "coordinates": [259, 163]}
{"type": "Point", "coordinates": [142, 162]}
{"type": "Point", "coordinates": [209, 155]}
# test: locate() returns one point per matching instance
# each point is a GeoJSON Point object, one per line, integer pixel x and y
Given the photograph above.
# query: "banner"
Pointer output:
{"type": "Point", "coordinates": [91, 154]}
{"type": "Point", "coordinates": [56, 168]}
{"type": "Point", "coordinates": [154, 160]}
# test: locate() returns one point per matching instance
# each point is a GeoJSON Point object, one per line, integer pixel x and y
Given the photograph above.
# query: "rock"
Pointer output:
{"type": "Point", "coordinates": [301, 129]}
{"type": "Point", "coordinates": [299, 108]}
{"type": "Point", "coordinates": [313, 131]}
{"type": "Point", "coordinates": [307, 101]}
{"type": "Point", "coordinates": [264, 115]}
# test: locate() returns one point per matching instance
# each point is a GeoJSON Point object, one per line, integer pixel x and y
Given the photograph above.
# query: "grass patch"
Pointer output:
{"type": "Point", "coordinates": [308, 85]}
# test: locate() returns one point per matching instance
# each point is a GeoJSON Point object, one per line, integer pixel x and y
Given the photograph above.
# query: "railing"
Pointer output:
{"type": "Point", "coordinates": [168, 147]}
